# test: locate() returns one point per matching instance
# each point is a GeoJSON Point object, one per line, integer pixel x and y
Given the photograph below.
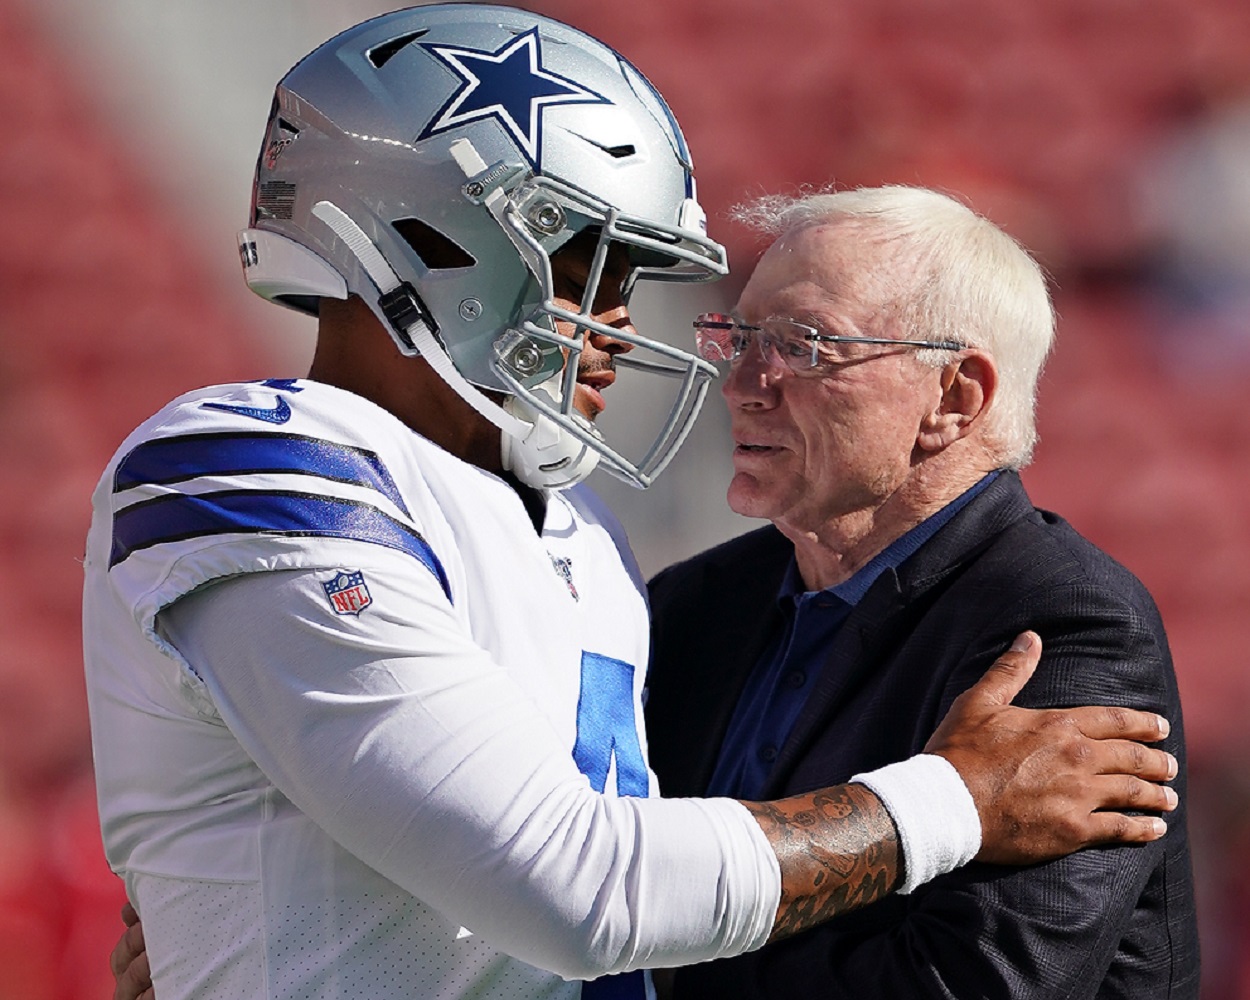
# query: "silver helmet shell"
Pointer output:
{"type": "Point", "coordinates": [432, 160]}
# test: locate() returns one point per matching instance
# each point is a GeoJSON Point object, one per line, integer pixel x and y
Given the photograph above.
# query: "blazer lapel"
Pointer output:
{"type": "Point", "coordinates": [705, 658]}
{"type": "Point", "coordinates": [880, 620]}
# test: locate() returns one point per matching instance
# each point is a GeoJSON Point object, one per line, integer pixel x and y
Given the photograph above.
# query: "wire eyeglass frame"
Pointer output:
{"type": "Point", "coordinates": [723, 339]}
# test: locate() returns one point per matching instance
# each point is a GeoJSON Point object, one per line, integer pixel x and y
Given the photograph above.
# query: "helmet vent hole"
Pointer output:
{"type": "Point", "coordinates": [620, 152]}
{"type": "Point", "coordinates": [437, 251]}
{"type": "Point", "coordinates": [380, 55]}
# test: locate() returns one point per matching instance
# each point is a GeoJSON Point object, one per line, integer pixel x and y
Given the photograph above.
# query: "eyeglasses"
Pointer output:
{"type": "Point", "coordinates": [720, 338]}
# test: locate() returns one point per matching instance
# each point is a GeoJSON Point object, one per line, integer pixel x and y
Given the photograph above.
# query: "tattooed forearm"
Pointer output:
{"type": "Point", "coordinates": [838, 850]}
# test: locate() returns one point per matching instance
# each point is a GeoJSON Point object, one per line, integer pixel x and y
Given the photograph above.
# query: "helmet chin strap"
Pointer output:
{"type": "Point", "coordinates": [414, 325]}
{"type": "Point", "coordinates": [548, 457]}
{"type": "Point", "coordinates": [532, 446]}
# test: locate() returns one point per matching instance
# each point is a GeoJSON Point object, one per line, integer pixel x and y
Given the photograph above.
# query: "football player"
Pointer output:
{"type": "Point", "coordinates": [365, 659]}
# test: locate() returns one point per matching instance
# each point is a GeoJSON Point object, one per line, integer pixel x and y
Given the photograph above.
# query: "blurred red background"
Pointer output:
{"type": "Point", "coordinates": [1110, 136]}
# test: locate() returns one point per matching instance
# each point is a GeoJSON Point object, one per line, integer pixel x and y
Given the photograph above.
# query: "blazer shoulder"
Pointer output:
{"type": "Point", "coordinates": [736, 579]}
{"type": "Point", "coordinates": [1045, 550]}
{"type": "Point", "coordinates": [1041, 573]}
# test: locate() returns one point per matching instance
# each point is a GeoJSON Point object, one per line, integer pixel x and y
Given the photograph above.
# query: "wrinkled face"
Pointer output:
{"type": "Point", "coordinates": [820, 445]}
{"type": "Point", "coordinates": [570, 267]}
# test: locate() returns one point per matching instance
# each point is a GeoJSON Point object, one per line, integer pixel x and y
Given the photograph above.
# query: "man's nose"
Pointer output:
{"type": "Point", "coordinates": [753, 373]}
{"type": "Point", "coordinates": [617, 317]}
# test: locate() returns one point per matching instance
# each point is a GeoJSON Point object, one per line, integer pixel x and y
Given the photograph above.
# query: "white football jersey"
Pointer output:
{"type": "Point", "coordinates": [361, 731]}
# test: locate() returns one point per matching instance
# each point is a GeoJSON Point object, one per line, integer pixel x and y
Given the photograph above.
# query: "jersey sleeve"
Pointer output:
{"type": "Point", "coordinates": [421, 757]}
{"type": "Point", "coordinates": [209, 493]}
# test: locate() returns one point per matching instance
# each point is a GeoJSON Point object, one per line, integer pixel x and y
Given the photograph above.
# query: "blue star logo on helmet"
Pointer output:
{"type": "Point", "coordinates": [510, 85]}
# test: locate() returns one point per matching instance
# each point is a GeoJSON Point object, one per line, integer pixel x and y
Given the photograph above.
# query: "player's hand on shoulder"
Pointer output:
{"type": "Point", "coordinates": [1048, 782]}
{"type": "Point", "coordinates": [128, 960]}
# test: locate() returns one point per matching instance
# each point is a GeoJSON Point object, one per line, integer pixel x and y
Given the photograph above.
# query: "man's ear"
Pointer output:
{"type": "Point", "coordinates": [968, 384]}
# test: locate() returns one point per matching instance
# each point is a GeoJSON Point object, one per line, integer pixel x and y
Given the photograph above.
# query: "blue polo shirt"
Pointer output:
{"type": "Point", "coordinates": [782, 678]}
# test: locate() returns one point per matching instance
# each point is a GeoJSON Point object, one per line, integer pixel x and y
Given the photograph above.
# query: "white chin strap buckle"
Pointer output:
{"type": "Point", "coordinates": [547, 457]}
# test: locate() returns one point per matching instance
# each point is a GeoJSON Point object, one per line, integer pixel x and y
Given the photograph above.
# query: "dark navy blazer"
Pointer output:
{"type": "Point", "coordinates": [1107, 922]}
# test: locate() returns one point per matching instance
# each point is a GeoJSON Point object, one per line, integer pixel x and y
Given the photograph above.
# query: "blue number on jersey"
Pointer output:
{"type": "Point", "coordinates": [606, 726]}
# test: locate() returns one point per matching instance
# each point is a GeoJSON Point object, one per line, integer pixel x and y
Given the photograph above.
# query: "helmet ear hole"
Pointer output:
{"type": "Point", "coordinates": [437, 251]}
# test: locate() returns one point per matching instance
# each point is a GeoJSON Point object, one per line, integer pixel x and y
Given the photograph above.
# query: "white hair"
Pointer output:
{"type": "Point", "coordinates": [960, 278]}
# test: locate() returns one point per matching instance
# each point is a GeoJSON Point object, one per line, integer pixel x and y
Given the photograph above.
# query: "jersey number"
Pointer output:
{"type": "Point", "coordinates": [606, 727]}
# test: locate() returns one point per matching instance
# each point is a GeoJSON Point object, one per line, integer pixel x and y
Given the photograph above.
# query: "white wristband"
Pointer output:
{"type": "Point", "coordinates": [938, 826]}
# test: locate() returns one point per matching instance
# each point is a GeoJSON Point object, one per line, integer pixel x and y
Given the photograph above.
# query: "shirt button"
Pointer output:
{"type": "Point", "coordinates": [796, 678]}
{"type": "Point", "coordinates": [768, 754]}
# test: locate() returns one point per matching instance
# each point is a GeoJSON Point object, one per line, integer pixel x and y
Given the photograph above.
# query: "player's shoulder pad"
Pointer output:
{"type": "Point", "coordinates": [280, 474]}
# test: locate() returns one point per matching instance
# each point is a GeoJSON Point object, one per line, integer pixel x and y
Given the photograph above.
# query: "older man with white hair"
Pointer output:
{"type": "Point", "coordinates": [881, 369]}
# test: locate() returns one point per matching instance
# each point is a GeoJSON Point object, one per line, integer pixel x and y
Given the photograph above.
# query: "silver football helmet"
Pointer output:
{"type": "Point", "coordinates": [431, 161]}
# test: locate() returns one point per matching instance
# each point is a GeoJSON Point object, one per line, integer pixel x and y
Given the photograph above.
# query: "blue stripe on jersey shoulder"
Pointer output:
{"type": "Point", "coordinates": [230, 453]}
{"type": "Point", "coordinates": [178, 517]}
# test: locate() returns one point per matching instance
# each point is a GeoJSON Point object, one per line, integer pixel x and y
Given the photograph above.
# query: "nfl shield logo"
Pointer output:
{"type": "Point", "coordinates": [348, 593]}
{"type": "Point", "coordinates": [564, 568]}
